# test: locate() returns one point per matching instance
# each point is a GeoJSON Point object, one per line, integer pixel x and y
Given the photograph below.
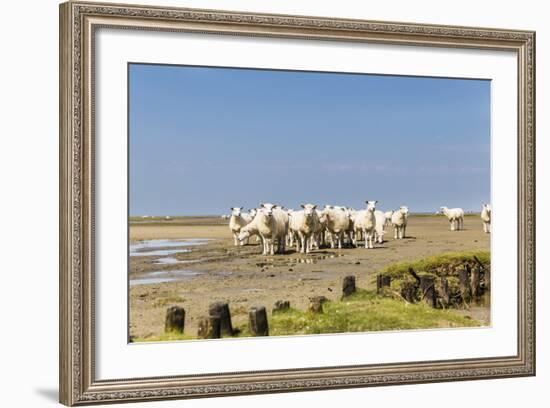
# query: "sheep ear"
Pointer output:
{"type": "Point", "coordinates": [314, 206]}
{"type": "Point", "coordinates": [303, 206]}
{"type": "Point", "coordinates": [262, 205]}
{"type": "Point", "coordinates": [241, 208]}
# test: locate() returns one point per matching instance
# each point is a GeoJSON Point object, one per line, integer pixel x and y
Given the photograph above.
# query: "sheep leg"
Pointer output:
{"type": "Point", "coordinates": [264, 245]}
{"type": "Point", "coordinates": [235, 238]}
{"type": "Point", "coordinates": [395, 227]}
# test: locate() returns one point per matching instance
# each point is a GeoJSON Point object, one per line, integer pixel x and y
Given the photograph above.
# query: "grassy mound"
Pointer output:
{"type": "Point", "coordinates": [365, 311]}
{"type": "Point", "coordinates": [437, 263]}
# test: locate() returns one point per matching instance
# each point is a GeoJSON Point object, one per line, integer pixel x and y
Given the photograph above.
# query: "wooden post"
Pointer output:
{"type": "Point", "coordinates": [464, 282]}
{"type": "Point", "coordinates": [348, 286]}
{"type": "Point", "coordinates": [409, 291]}
{"type": "Point", "coordinates": [281, 306]}
{"type": "Point", "coordinates": [209, 327]}
{"type": "Point", "coordinates": [316, 304]}
{"type": "Point", "coordinates": [427, 288]}
{"type": "Point", "coordinates": [221, 309]}
{"type": "Point", "coordinates": [175, 319]}
{"type": "Point", "coordinates": [382, 281]}
{"type": "Point", "coordinates": [445, 292]}
{"type": "Point", "coordinates": [475, 282]}
{"type": "Point", "coordinates": [257, 321]}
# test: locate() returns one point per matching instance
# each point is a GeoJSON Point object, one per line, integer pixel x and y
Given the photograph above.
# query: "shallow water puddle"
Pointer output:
{"type": "Point", "coordinates": [164, 276]}
{"type": "Point", "coordinates": [171, 276]}
{"type": "Point", "coordinates": [164, 247]}
{"type": "Point", "coordinates": [170, 260]}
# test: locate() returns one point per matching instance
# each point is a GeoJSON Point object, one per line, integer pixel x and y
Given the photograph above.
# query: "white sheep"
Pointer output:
{"type": "Point", "coordinates": [379, 229]}
{"type": "Point", "coordinates": [337, 224]}
{"type": "Point", "coordinates": [272, 227]}
{"type": "Point", "coordinates": [249, 230]}
{"type": "Point", "coordinates": [319, 237]}
{"type": "Point", "coordinates": [388, 215]}
{"type": "Point", "coordinates": [365, 222]}
{"type": "Point", "coordinates": [238, 220]}
{"type": "Point", "coordinates": [303, 225]}
{"type": "Point", "coordinates": [486, 217]}
{"type": "Point", "coordinates": [455, 217]}
{"type": "Point", "coordinates": [399, 222]}
{"type": "Point", "coordinates": [350, 233]}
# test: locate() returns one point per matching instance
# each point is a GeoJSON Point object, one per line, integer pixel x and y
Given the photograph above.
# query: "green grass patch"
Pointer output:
{"type": "Point", "coordinates": [364, 311]}
{"type": "Point", "coordinates": [431, 264]}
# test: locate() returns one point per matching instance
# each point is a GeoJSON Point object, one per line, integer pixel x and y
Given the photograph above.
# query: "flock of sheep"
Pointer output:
{"type": "Point", "coordinates": [312, 228]}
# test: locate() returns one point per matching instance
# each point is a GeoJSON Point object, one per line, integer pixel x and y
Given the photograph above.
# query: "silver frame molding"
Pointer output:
{"type": "Point", "coordinates": [78, 22]}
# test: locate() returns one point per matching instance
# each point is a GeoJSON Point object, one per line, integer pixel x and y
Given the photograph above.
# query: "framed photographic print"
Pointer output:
{"type": "Point", "coordinates": [256, 203]}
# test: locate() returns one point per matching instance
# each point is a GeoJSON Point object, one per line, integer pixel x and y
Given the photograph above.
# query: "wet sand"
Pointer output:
{"type": "Point", "coordinates": [215, 269]}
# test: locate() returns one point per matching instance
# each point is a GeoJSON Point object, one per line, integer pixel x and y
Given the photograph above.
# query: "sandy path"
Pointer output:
{"type": "Point", "coordinates": [244, 278]}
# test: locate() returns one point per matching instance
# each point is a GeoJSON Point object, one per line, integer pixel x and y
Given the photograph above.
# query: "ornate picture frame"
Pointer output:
{"type": "Point", "coordinates": [78, 24]}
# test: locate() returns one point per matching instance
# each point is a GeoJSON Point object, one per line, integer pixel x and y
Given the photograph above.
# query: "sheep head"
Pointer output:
{"type": "Point", "coordinates": [371, 205]}
{"type": "Point", "coordinates": [309, 209]}
{"type": "Point", "coordinates": [243, 235]}
{"type": "Point", "coordinates": [236, 211]}
{"type": "Point", "coordinates": [267, 209]}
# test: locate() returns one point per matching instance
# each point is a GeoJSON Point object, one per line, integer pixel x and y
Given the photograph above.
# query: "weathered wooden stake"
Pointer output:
{"type": "Point", "coordinates": [221, 309]}
{"type": "Point", "coordinates": [316, 304]}
{"type": "Point", "coordinates": [427, 288]}
{"type": "Point", "coordinates": [409, 291]}
{"type": "Point", "coordinates": [348, 286]}
{"type": "Point", "coordinates": [382, 281]}
{"type": "Point", "coordinates": [209, 327]}
{"type": "Point", "coordinates": [445, 292]}
{"type": "Point", "coordinates": [257, 321]}
{"type": "Point", "coordinates": [281, 305]}
{"type": "Point", "coordinates": [175, 319]}
{"type": "Point", "coordinates": [464, 282]}
{"type": "Point", "coordinates": [475, 282]}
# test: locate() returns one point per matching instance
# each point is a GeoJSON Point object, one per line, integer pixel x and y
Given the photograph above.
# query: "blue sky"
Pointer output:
{"type": "Point", "coordinates": [206, 139]}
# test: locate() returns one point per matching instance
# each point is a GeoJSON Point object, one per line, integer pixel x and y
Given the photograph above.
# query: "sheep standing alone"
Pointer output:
{"type": "Point", "coordinates": [236, 222]}
{"type": "Point", "coordinates": [379, 228]}
{"type": "Point", "coordinates": [273, 227]}
{"type": "Point", "coordinates": [486, 217]}
{"type": "Point", "coordinates": [337, 224]}
{"type": "Point", "coordinates": [303, 225]}
{"type": "Point", "coordinates": [399, 222]}
{"type": "Point", "coordinates": [455, 217]}
{"type": "Point", "coordinates": [365, 221]}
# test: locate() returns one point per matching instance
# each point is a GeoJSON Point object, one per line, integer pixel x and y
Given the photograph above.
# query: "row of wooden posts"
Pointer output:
{"type": "Point", "coordinates": [218, 322]}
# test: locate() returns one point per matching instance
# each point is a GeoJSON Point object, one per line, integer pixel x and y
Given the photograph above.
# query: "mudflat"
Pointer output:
{"type": "Point", "coordinates": [210, 268]}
